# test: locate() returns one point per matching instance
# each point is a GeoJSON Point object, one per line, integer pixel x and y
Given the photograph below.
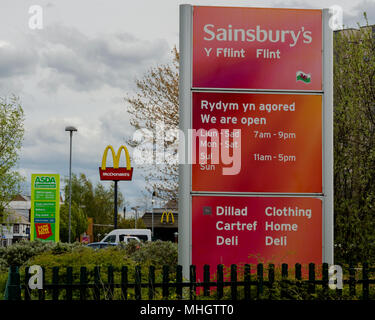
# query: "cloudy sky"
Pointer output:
{"type": "Point", "coordinates": [77, 69]}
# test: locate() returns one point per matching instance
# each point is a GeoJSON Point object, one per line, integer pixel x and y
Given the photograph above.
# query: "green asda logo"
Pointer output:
{"type": "Point", "coordinates": [45, 182]}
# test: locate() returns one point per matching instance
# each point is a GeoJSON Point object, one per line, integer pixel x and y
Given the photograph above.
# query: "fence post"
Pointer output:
{"type": "Point", "coordinates": [247, 279]}
{"type": "Point", "coordinates": [138, 279]}
{"type": "Point", "coordinates": [284, 280]}
{"type": "Point", "coordinates": [325, 278]}
{"type": "Point", "coordinates": [233, 280]}
{"type": "Point", "coordinates": [179, 282]}
{"type": "Point", "coordinates": [206, 280]}
{"type": "Point", "coordinates": [365, 283]}
{"type": "Point", "coordinates": [97, 283]}
{"type": "Point", "coordinates": [193, 280]}
{"type": "Point", "coordinates": [165, 282]}
{"type": "Point", "coordinates": [311, 288]}
{"type": "Point", "coordinates": [151, 282]}
{"type": "Point", "coordinates": [124, 282]}
{"type": "Point", "coordinates": [27, 288]}
{"type": "Point", "coordinates": [298, 274]}
{"type": "Point", "coordinates": [259, 280]}
{"type": "Point", "coordinates": [271, 278]}
{"type": "Point", "coordinates": [220, 281]}
{"type": "Point", "coordinates": [41, 292]}
{"type": "Point", "coordinates": [352, 289]}
{"type": "Point", "coordinates": [110, 282]}
{"type": "Point", "coordinates": [55, 282]}
{"type": "Point", "coordinates": [69, 281]}
{"type": "Point", "coordinates": [13, 286]}
{"type": "Point", "coordinates": [83, 283]}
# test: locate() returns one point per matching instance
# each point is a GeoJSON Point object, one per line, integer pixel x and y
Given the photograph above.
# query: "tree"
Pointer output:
{"type": "Point", "coordinates": [157, 103]}
{"type": "Point", "coordinates": [130, 223]}
{"type": "Point", "coordinates": [94, 202]}
{"type": "Point", "coordinates": [79, 222]}
{"type": "Point", "coordinates": [354, 144]}
{"type": "Point", "coordinates": [11, 137]}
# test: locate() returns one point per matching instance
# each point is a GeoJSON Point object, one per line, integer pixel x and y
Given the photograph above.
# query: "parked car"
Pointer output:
{"type": "Point", "coordinates": [128, 239]}
{"type": "Point", "coordinates": [116, 236]}
{"type": "Point", "coordinates": [101, 245]}
{"type": "Point", "coordinates": [106, 244]}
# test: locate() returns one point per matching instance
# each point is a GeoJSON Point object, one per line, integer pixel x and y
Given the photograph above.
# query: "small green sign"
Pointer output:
{"type": "Point", "coordinates": [40, 194]}
{"type": "Point", "coordinates": [45, 207]}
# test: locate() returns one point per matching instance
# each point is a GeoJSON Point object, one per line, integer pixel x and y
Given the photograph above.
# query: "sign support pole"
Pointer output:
{"type": "Point", "coordinates": [328, 212]}
{"type": "Point", "coordinates": [115, 205]}
{"type": "Point", "coordinates": [184, 203]}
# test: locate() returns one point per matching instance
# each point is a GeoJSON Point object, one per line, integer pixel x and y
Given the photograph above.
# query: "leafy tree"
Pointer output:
{"type": "Point", "coordinates": [11, 137]}
{"type": "Point", "coordinates": [130, 223]}
{"type": "Point", "coordinates": [96, 202]}
{"type": "Point", "coordinates": [155, 107]}
{"type": "Point", "coordinates": [79, 222]}
{"type": "Point", "coordinates": [354, 144]}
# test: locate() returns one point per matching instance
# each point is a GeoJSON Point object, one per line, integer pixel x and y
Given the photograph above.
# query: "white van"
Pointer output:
{"type": "Point", "coordinates": [119, 235]}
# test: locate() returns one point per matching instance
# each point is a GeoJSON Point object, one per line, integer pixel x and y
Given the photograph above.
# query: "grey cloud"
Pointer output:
{"type": "Point", "coordinates": [16, 61]}
{"type": "Point", "coordinates": [115, 124]}
{"type": "Point", "coordinates": [351, 17]}
{"type": "Point", "coordinates": [88, 63]}
{"type": "Point", "coordinates": [356, 16]}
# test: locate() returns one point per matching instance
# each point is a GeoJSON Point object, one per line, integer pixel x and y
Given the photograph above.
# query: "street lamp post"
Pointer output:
{"type": "Point", "coordinates": [136, 216]}
{"type": "Point", "coordinates": [71, 129]}
{"type": "Point", "coordinates": [152, 214]}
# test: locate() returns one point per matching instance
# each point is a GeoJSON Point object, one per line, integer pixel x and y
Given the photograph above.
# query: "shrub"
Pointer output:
{"type": "Point", "coordinates": [89, 258]}
{"type": "Point", "coordinates": [156, 253]}
{"type": "Point", "coordinates": [3, 281]}
{"type": "Point", "coordinates": [20, 252]}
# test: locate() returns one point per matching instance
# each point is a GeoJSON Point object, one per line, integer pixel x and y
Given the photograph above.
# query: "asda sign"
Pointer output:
{"type": "Point", "coordinates": [46, 182]}
{"type": "Point", "coordinates": [45, 207]}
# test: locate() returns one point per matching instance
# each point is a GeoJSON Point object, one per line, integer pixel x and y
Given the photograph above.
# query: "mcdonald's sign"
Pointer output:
{"type": "Point", "coordinates": [116, 172]}
{"type": "Point", "coordinates": [167, 214]}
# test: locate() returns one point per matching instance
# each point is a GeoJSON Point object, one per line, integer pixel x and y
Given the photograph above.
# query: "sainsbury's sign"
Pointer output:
{"type": "Point", "coordinates": [257, 48]}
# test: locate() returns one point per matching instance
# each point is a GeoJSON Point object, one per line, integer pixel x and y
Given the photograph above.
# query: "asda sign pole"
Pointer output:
{"type": "Point", "coordinates": [45, 207]}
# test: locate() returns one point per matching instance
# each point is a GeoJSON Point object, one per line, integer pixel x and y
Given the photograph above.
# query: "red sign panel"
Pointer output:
{"type": "Point", "coordinates": [115, 174]}
{"type": "Point", "coordinates": [238, 230]}
{"type": "Point", "coordinates": [257, 143]}
{"type": "Point", "coordinates": [257, 48]}
{"type": "Point", "coordinates": [43, 230]}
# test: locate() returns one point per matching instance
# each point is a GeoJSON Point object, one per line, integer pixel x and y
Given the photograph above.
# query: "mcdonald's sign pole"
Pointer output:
{"type": "Point", "coordinates": [115, 204]}
{"type": "Point", "coordinates": [116, 173]}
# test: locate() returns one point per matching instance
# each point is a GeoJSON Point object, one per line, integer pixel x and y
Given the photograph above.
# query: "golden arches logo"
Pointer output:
{"type": "Point", "coordinates": [167, 214]}
{"type": "Point", "coordinates": [116, 157]}
{"type": "Point", "coordinates": [116, 172]}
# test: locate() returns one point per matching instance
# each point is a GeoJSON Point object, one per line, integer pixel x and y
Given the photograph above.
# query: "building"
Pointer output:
{"type": "Point", "coordinates": [350, 31]}
{"type": "Point", "coordinates": [165, 223]}
{"type": "Point", "coordinates": [16, 228]}
{"type": "Point", "coordinates": [17, 223]}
